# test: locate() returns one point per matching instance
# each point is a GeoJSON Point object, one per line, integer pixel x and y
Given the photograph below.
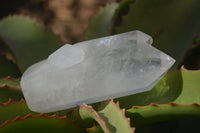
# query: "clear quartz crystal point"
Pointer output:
{"type": "Point", "coordinates": [93, 71]}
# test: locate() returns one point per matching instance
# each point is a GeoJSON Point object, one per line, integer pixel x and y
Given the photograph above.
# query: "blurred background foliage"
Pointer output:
{"type": "Point", "coordinates": [66, 18]}
{"type": "Point", "coordinates": [70, 19]}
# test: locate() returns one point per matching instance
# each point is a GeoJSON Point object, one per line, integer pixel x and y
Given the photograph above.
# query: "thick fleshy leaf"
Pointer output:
{"type": "Point", "coordinates": [7, 62]}
{"type": "Point", "coordinates": [122, 10]}
{"type": "Point", "coordinates": [109, 117]}
{"type": "Point", "coordinates": [27, 40]}
{"type": "Point", "coordinates": [156, 113]}
{"type": "Point", "coordinates": [100, 24]}
{"type": "Point", "coordinates": [10, 88]}
{"type": "Point", "coordinates": [173, 24]}
{"type": "Point", "coordinates": [8, 68]}
{"type": "Point", "coordinates": [6, 93]}
{"type": "Point", "coordinates": [39, 124]}
{"type": "Point", "coordinates": [87, 116]}
{"type": "Point", "coordinates": [95, 129]}
{"type": "Point", "coordinates": [12, 109]}
{"type": "Point", "coordinates": [190, 88]}
{"type": "Point", "coordinates": [165, 91]}
{"type": "Point", "coordinates": [10, 83]}
{"type": "Point", "coordinates": [181, 87]}
{"type": "Point", "coordinates": [115, 117]}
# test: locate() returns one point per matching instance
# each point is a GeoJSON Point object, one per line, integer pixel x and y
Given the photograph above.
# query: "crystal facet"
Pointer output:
{"type": "Point", "coordinates": [94, 70]}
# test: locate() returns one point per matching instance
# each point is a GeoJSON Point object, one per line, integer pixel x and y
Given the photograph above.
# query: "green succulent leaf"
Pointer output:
{"type": "Point", "coordinates": [10, 83]}
{"type": "Point", "coordinates": [109, 117]}
{"type": "Point", "coordinates": [6, 93]}
{"type": "Point", "coordinates": [173, 24]}
{"type": "Point", "coordinates": [181, 87]}
{"type": "Point", "coordinates": [27, 40]}
{"type": "Point", "coordinates": [95, 129]}
{"type": "Point", "coordinates": [10, 88]}
{"type": "Point", "coordinates": [12, 109]}
{"type": "Point", "coordinates": [100, 24]}
{"type": "Point", "coordinates": [39, 124]}
{"type": "Point", "coordinates": [156, 113]}
{"type": "Point", "coordinates": [87, 116]}
{"type": "Point", "coordinates": [7, 62]}
{"type": "Point", "coordinates": [122, 10]}
{"type": "Point", "coordinates": [165, 91]}
{"type": "Point", "coordinates": [190, 88]}
{"type": "Point", "coordinates": [8, 68]}
{"type": "Point", "coordinates": [115, 117]}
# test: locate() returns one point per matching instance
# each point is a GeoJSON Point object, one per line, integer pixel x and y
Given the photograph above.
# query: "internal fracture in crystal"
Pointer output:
{"type": "Point", "coordinates": [93, 71]}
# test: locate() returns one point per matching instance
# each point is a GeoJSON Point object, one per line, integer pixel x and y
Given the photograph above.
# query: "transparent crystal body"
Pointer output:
{"type": "Point", "coordinates": [93, 71]}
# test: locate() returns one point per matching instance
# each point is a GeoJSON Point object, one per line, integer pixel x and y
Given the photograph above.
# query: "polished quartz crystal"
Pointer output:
{"type": "Point", "coordinates": [93, 71]}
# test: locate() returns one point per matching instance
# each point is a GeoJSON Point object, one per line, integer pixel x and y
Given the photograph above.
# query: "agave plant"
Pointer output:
{"type": "Point", "coordinates": [173, 105]}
